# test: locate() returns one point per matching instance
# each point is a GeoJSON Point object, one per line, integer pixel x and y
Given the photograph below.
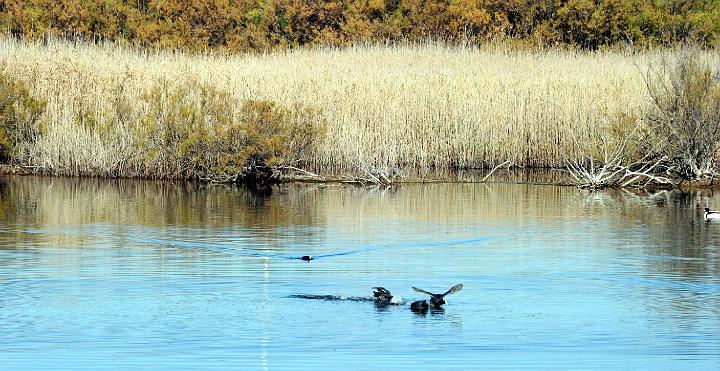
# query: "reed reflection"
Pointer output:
{"type": "Point", "coordinates": [669, 223]}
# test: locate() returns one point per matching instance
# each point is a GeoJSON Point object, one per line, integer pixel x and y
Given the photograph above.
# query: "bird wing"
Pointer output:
{"type": "Point", "coordinates": [454, 289]}
{"type": "Point", "coordinates": [423, 291]}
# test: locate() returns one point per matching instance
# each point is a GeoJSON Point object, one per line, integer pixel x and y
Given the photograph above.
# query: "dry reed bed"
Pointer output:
{"type": "Point", "coordinates": [421, 106]}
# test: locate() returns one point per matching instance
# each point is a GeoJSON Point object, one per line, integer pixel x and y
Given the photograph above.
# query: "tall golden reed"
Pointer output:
{"type": "Point", "coordinates": [419, 106]}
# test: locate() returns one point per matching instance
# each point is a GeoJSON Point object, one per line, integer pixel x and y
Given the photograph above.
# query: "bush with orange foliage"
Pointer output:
{"type": "Point", "coordinates": [245, 25]}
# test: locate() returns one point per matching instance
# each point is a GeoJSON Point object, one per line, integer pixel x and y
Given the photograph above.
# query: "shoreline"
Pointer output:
{"type": "Point", "coordinates": [6, 169]}
{"type": "Point", "coordinates": [531, 176]}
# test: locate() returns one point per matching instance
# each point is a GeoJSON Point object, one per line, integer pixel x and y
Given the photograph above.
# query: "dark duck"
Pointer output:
{"type": "Point", "coordinates": [383, 297]}
{"type": "Point", "coordinates": [420, 306]}
{"type": "Point", "coordinates": [437, 300]}
{"type": "Point", "coordinates": [382, 294]}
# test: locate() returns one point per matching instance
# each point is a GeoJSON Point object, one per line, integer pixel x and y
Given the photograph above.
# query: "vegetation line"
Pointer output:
{"type": "Point", "coordinates": [365, 113]}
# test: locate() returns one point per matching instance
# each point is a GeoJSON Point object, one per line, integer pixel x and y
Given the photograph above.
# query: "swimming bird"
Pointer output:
{"type": "Point", "coordinates": [307, 258]}
{"type": "Point", "coordinates": [383, 297]}
{"type": "Point", "coordinates": [382, 294]}
{"type": "Point", "coordinates": [420, 306]}
{"type": "Point", "coordinates": [438, 299]}
{"type": "Point", "coordinates": [711, 214]}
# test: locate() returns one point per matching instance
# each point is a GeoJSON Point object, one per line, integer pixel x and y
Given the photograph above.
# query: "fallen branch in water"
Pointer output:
{"type": "Point", "coordinates": [378, 176]}
{"type": "Point", "coordinates": [303, 174]}
{"type": "Point", "coordinates": [611, 173]}
{"type": "Point", "coordinates": [368, 175]}
{"type": "Point", "coordinates": [508, 163]}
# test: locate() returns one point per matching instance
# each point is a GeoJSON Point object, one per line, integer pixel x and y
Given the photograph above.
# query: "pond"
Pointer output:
{"type": "Point", "coordinates": [139, 274]}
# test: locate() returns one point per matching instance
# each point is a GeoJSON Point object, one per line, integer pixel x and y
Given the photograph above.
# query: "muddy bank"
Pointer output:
{"type": "Point", "coordinates": [12, 170]}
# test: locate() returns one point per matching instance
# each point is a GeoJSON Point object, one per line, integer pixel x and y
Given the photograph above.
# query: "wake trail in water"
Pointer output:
{"type": "Point", "coordinates": [244, 251]}
{"type": "Point", "coordinates": [396, 300]}
{"type": "Point", "coordinates": [369, 248]}
{"type": "Point", "coordinates": [211, 246]}
{"type": "Point", "coordinates": [330, 297]}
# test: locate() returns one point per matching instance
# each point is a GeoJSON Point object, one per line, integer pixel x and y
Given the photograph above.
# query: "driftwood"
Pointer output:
{"type": "Point", "coordinates": [612, 173]}
{"type": "Point", "coordinates": [372, 176]}
{"type": "Point", "coordinates": [508, 163]}
{"type": "Point", "coordinates": [365, 176]}
{"type": "Point", "coordinates": [379, 175]}
{"type": "Point", "coordinates": [296, 173]}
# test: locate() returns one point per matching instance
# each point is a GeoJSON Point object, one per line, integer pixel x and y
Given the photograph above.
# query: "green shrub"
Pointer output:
{"type": "Point", "coordinates": [272, 136]}
{"type": "Point", "coordinates": [194, 131]}
{"type": "Point", "coordinates": [175, 129]}
{"type": "Point", "coordinates": [19, 117]}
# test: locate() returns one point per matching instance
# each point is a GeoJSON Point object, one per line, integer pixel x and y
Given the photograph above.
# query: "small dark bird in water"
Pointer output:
{"type": "Point", "coordinates": [307, 258]}
{"type": "Point", "coordinates": [383, 297]}
{"type": "Point", "coordinates": [382, 294]}
{"type": "Point", "coordinates": [420, 306]}
{"type": "Point", "coordinates": [436, 300]}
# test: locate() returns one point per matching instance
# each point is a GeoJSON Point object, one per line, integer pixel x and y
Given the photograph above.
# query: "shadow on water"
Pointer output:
{"type": "Point", "coordinates": [256, 195]}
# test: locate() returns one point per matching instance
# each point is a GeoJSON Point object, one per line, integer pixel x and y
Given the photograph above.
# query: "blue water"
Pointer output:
{"type": "Point", "coordinates": [127, 274]}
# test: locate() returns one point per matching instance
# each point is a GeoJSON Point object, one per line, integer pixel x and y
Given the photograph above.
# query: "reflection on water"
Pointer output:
{"type": "Point", "coordinates": [141, 274]}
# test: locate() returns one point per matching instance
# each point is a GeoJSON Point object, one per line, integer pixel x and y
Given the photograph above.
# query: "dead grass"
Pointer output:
{"type": "Point", "coordinates": [422, 106]}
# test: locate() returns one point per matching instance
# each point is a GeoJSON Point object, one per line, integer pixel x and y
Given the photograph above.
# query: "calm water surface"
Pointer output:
{"type": "Point", "coordinates": [130, 274]}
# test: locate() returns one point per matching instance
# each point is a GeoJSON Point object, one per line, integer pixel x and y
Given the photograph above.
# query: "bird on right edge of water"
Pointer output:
{"type": "Point", "coordinates": [708, 215]}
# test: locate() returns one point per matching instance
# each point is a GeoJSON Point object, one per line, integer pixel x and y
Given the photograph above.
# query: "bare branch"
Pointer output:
{"type": "Point", "coordinates": [509, 163]}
